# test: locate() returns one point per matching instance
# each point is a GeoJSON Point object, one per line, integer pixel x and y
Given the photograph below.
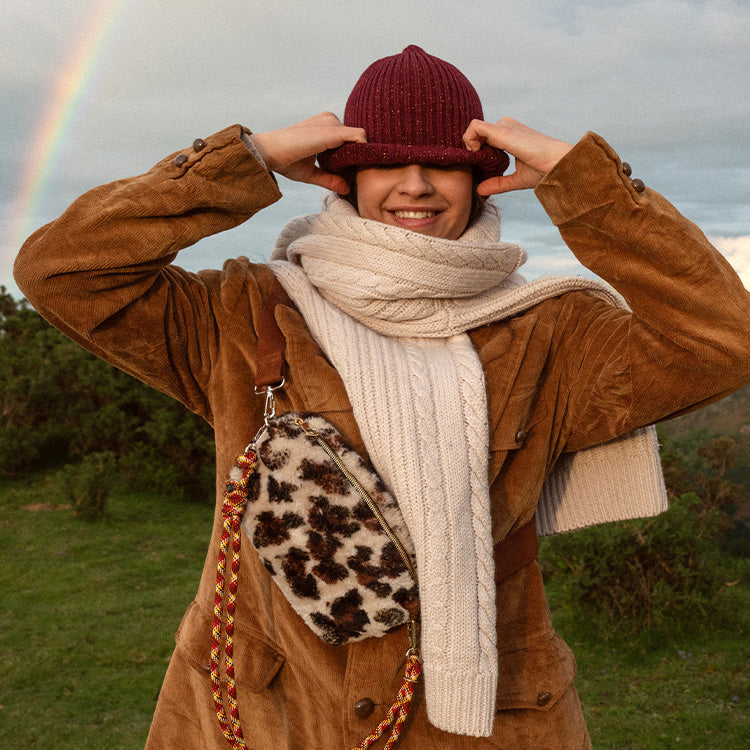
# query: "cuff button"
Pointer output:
{"type": "Point", "coordinates": [180, 159]}
{"type": "Point", "coordinates": [639, 185]}
{"type": "Point", "coordinates": [199, 144]}
{"type": "Point", "coordinates": [626, 170]}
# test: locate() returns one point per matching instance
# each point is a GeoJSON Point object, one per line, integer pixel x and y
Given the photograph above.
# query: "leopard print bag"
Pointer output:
{"type": "Point", "coordinates": [329, 532]}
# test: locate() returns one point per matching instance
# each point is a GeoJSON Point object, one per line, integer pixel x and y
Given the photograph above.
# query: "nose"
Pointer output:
{"type": "Point", "coordinates": [415, 181]}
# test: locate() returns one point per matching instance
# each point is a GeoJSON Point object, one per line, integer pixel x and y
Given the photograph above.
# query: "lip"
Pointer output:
{"type": "Point", "coordinates": [413, 217]}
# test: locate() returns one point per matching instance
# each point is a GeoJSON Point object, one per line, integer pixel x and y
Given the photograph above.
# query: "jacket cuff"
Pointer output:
{"type": "Point", "coordinates": [228, 157]}
{"type": "Point", "coordinates": [248, 141]}
{"type": "Point", "coordinates": [590, 174]}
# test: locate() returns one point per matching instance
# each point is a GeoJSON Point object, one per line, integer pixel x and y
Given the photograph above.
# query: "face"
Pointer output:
{"type": "Point", "coordinates": [425, 198]}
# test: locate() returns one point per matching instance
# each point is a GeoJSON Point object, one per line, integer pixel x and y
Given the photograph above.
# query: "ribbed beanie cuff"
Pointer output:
{"type": "Point", "coordinates": [414, 108]}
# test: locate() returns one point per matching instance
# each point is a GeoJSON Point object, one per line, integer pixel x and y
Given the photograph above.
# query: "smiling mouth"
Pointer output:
{"type": "Point", "coordinates": [414, 214]}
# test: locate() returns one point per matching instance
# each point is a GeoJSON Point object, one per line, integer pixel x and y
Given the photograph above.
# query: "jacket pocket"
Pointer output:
{"type": "Point", "coordinates": [310, 373]}
{"type": "Point", "coordinates": [256, 659]}
{"type": "Point", "coordinates": [535, 677]}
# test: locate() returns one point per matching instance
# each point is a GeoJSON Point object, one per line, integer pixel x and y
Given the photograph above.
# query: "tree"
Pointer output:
{"type": "Point", "coordinates": [59, 403]}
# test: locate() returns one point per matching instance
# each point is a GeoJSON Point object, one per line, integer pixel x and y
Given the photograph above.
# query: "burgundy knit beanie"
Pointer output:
{"type": "Point", "coordinates": [414, 108]}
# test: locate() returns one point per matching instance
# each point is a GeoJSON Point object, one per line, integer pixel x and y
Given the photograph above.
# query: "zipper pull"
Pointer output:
{"type": "Point", "coordinates": [413, 639]}
{"type": "Point", "coordinates": [306, 427]}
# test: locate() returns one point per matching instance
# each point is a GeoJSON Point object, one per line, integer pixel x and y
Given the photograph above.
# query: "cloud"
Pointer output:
{"type": "Point", "coordinates": [737, 251]}
{"type": "Point", "coordinates": [660, 79]}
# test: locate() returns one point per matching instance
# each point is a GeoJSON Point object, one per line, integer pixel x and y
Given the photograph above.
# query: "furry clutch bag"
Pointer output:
{"type": "Point", "coordinates": [328, 531]}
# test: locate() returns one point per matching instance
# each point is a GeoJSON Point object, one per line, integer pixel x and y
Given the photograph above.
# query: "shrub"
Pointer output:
{"type": "Point", "coordinates": [662, 572]}
{"type": "Point", "coordinates": [59, 403]}
{"type": "Point", "coordinates": [87, 485]}
{"type": "Point", "coordinates": [667, 572]}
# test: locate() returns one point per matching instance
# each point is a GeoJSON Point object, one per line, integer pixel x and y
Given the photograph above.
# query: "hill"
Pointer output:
{"type": "Point", "coordinates": [730, 416]}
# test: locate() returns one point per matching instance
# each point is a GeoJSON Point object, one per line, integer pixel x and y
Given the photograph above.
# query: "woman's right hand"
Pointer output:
{"type": "Point", "coordinates": [291, 150]}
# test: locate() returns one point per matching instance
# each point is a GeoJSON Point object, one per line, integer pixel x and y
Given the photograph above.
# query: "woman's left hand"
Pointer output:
{"type": "Point", "coordinates": [535, 153]}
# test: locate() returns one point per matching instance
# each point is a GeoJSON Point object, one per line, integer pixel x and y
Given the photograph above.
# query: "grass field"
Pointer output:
{"type": "Point", "coordinates": [89, 611]}
{"type": "Point", "coordinates": [664, 691]}
{"type": "Point", "coordinates": [88, 615]}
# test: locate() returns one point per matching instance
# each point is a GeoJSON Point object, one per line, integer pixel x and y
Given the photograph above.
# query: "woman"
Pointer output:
{"type": "Point", "coordinates": [410, 330]}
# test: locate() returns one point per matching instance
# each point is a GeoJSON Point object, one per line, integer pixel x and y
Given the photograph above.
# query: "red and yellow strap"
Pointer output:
{"type": "Point", "coordinates": [235, 499]}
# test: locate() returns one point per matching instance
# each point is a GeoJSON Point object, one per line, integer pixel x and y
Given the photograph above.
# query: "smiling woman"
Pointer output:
{"type": "Point", "coordinates": [431, 200]}
{"type": "Point", "coordinates": [489, 407]}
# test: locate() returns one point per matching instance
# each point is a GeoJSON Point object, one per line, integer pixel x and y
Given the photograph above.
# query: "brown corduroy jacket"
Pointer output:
{"type": "Point", "coordinates": [568, 373]}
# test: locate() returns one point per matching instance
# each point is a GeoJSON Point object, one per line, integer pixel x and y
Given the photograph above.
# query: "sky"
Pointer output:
{"type": "Point", "coordinates": [96, 90]}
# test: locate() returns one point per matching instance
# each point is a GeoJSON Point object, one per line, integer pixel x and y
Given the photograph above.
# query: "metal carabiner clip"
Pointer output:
{"type": "Point", "coordinates": [269, 410]}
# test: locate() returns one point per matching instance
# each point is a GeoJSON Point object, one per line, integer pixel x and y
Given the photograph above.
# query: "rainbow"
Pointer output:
{"type": "Point", "coordinates": [57, 117]}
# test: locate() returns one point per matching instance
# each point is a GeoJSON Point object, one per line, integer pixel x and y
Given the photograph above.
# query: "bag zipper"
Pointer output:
{"type": "Point", "coordinates": [364, 494]}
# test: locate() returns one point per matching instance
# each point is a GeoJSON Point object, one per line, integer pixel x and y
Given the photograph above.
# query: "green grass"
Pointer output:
{"type": "Point", "coordinates": [662, 690]}
{"type": "Point", "coordinates": [696, 696]}
{"type": "Point", "coordinates": [88, 613]}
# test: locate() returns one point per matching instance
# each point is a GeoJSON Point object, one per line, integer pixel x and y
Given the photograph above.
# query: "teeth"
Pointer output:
{"type": "Point", "coordinates": [415, 214]}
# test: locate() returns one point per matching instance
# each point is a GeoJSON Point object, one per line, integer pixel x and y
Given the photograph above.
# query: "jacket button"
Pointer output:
{"type": "Point", "coordinates": [180, 159]}
{"type": "Point", "coordinates": [626, 170]}
{"type": "Point", "coordinates": [543, 699]}
{"type": "Point", "coordinates": [520, 435]}
{"type": "Point", "coordinates": [199, 144]}
{"type": "Point", "coordinates": [639, 185]}
{"type": "Point", "coordinates": [364, 708]}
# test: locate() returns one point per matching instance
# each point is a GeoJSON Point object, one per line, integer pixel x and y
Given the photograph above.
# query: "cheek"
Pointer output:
{"type": "Point", "coordinates": [456, 185]}
{"type": "Point", "coordinates": [364, 205]}
{"type": "Point", "coordinates": [467, 204]}
{"type": "Point", "coordinates": [370, 196]}
{"type": "Point", "coordinates": [461, 197]}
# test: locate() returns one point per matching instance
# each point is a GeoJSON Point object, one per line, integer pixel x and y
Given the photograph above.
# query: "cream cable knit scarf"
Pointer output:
{"type": "Point", "coordinates": [391, 308]}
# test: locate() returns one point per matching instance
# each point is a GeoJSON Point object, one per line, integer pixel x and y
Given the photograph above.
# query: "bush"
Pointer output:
{"type": "Point", "coordinates": [87, 484]}
{"type": "Point", "coordinates": [660, 573]}
{"type": "Point", "coordinates": [60, 403]}
{"type": "Point", "coordinates": [32, 431]}
{"type": "Point", "coordinates": [667, 572]}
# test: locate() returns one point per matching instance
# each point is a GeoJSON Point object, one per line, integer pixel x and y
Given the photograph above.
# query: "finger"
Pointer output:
{"type": "Point", "coordinates": [491, 186]}
{"type": "Point", "coordinates": [344, 134]}
{"type": "Point", "coordinates": [315, 140]}
{"type": "Point", "coordinates": [329, 181]}
{"type": "Point", "coordinates": [326, 118]}
{"type": "Point", "coordinates": [337, 132]}
{"type": "Point", "coordinates": [475, 135]}
{"type": "Point", "coordinates": [503, 184]}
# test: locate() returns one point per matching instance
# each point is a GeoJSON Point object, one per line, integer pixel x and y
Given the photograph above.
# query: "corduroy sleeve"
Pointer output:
{"type": "Point", "coordinates": [101, 272]}
{"type": "Point", "coordinates": [687, 340]}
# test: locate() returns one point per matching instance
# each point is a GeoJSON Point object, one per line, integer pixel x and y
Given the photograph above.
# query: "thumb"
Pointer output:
{"type": "Point", "coordinates": [329, 181]}
{"type": "Point", "coordinates": [497, 185]}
